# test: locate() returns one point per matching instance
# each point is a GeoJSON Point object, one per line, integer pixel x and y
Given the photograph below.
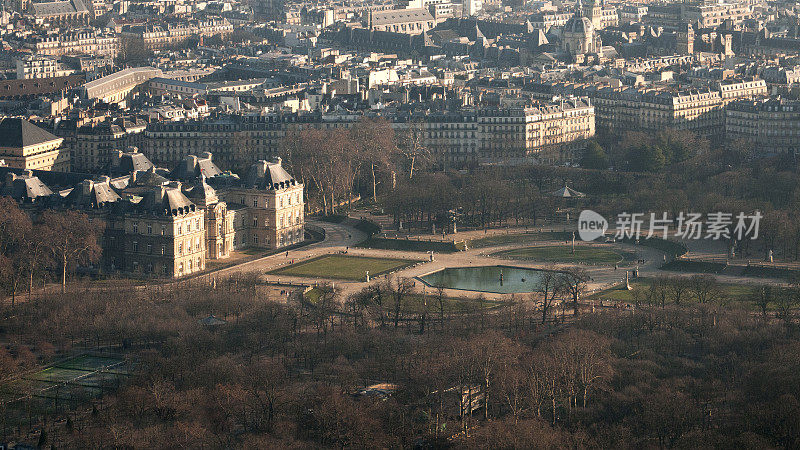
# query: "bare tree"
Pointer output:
{"type": "Point", "coordinates": [374, 145]}
{"type": "Point", "coordinates": [398, 288]}
{"type": "Point", "coordinates": [412, 145]}
{"type": "Point", "coordinates": [72, 239]}
{"type": "Point", "coordinates": [573, 284]}
{"type": "Point", "coordinates": [548, 287]}
{"type": "Point", "coordinates": [762, 297]}
{"type": "Point", "coordinates": [678, 289]}
{"type": "Point", "coordinates": [705, 288]}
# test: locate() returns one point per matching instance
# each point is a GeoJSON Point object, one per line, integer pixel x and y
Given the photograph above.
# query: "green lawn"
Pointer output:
{"type": "Point", "coordinates": [671, 248]}
{"type": "Point", "coordinates": [519, 238]}
{"type": "Point", "coordinates": [563, 253]}
{"type": "Point", "coordinates": [770, 272]}
{"type": "Point", "coordinates": [343, 267]}
{"type": "Point", "coordinates": [731, 292]}
{"type": "Point", "coordinates": [681, 265]}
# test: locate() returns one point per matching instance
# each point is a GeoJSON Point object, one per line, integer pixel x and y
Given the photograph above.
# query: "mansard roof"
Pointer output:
{"type": "Point", "coordinates": [269, 175]}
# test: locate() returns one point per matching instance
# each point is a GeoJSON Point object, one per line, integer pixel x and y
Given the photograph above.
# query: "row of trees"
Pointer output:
{"type": "Point", "coordinates": [57, 240]}
{"type": "Point", "coordinates": [337, 163]}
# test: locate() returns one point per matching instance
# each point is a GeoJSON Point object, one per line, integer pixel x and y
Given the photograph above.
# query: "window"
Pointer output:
{"type": "Point", "coordinates": [196, 224]}
{"type": "Point", "coordinates": [149, 267]}
{"type": "Point", "coordinates": [255, 202]}
{"type": "Point", "coordinates": [149, 228]}
{"type": "Point", "coordinates": [136, 266]}
{"type": "Point", "coordinates": [150, 248]}
{"type": "Point", "coordinates": [255, 222]}
{"type": "Point", "coordinates": [180, 230]}
{"type": "Point", "coordinates": [255, 239]}
{"type": "Point", "coordinates": [164, 269]}
{"type": "Point", "coordinates": [180, 248]}
{"type": "Point", "coordinates": [163, 230]}
{"type": "Point", "coordinates": [135, 246]}
{"type": "Point", "coordinates": [163, 249]}
{"type": "Point", "coordinates": [135, 227]}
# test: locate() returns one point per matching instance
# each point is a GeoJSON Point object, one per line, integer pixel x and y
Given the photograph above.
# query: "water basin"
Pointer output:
{"type": "Point", "coordinates": [495, 279]}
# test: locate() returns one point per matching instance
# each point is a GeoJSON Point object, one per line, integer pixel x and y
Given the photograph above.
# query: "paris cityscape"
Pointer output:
{"type": "Point", "coordinates": [423, 224]}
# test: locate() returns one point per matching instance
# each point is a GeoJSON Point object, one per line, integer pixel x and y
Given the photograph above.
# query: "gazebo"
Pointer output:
{"type": "Point", "coordinates": [567, 192]}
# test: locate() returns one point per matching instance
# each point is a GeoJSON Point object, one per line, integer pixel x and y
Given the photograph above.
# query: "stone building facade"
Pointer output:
{"type": "Point", "coordinates": [159, 226]}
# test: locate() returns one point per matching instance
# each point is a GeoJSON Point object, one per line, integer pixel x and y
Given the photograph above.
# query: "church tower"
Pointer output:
{"type": "Point", "coordinates": [592, 11]}
{"type": "Point", "coordinates": [684, 40]}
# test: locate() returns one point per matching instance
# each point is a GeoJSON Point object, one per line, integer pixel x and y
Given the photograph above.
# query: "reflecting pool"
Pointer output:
{"type": "Point", "coordinates": [496, 279]}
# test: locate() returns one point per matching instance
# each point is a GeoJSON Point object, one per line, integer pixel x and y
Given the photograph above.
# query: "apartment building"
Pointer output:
{"type": "Point", "coordinates": [38, 66]}
{"type": "Point", "coordinates": [84, 41]}
{"type": "Point", "coordinates": [737, 89]}
{"type": "Point", "coordinates": [773, 124]}
{"type": "Point", "coordinates": [163, 35]}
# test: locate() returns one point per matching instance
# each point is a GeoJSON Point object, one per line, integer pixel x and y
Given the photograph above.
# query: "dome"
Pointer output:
{"type": "Point", "coordinates": [578, 24]}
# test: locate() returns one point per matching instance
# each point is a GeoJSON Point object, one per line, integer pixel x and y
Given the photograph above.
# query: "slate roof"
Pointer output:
{"type": "Point", "coordinates": [92, 194]}
{"type": "Point", "coordinates": [25, 187]}
{"type": "Point", "coordinates": [19, 133]}
{"type": "Point", "coordinates": [44, 9]}
{"type": "Point", "coordinates": [268, 175]}
{"type": "Point", "coordinates": [393, 16]}
{"type": "Point", "coordinates": [194, 166]}
{"type": "Point", "coordinates": [127, 162]}
{"type": "Point", "coordinates": [203, 194]}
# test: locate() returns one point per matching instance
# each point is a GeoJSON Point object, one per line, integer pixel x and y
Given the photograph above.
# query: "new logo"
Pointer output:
{"type": "Point", "coordinates": [591, 225]}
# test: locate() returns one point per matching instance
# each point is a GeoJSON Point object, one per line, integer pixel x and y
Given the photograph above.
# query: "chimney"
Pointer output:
{"type": "Point", "coordinates": [86, 187]}
{"type": "Point", "coordinates": [132, 178]}
{"type": "Point", "coordinates": [262, 168]}
{"type": "Point", "coordinates": [191, 163]}
{"type": "Point", "coordinates": [115, 161]}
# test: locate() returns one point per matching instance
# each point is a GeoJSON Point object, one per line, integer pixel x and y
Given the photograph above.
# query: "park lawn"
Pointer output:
{"type": "Point", "coordinates": [770, 272]}
{"type": "Point", "coordinates": [681, 265]}
{"type": "Point", "coordinates": [505, 239]}
{"type": "Point", "coordinates": [739, 293]}
{"type": "Point", "coordinates": [671, 248]}
{"type": "Point", "coordinates": [343, 267]}
{"type": "Point", "coordinates": [563, 253]}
